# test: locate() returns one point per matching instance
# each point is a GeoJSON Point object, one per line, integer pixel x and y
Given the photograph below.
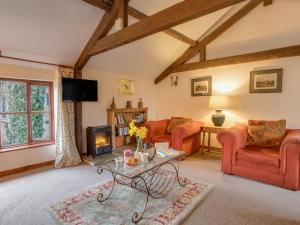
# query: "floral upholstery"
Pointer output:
{"type": "Point", "coordinates": [268, 134]}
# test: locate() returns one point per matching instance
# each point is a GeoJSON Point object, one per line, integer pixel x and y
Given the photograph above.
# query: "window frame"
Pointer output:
{"type": "Point", "coordinates": [31, 143]}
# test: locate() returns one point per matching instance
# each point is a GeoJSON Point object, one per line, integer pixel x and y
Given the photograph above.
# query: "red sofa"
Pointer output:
{"type": "Point", "coordinates": [275, 166]}
{"type": "Point", "coordinates": [184, 137]}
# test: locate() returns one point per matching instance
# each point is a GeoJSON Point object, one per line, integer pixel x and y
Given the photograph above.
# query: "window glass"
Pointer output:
{"type": "Point", "coordinates": [40, 99]}
{"type": "Point", "coordinates": [12, 96]}
{"type": "Point", "coordinates": [41, 129]}
{"type": "Point", "coordinates": [13, 129]}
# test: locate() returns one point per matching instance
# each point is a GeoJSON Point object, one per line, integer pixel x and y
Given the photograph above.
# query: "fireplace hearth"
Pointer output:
{"type": "Point", "coordinates": [99, 140]}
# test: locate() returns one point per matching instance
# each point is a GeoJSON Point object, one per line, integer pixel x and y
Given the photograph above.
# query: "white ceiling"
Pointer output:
{"type": "Point", "coordinates": [149, 56]}
{"type": "Point", "coordinates": [57, 30]}
{"type": "Point", "coordinates": [54, 30]}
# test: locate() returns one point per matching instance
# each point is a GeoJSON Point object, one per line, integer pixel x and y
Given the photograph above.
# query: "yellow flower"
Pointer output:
{"type": "Point", "coordinates": [132, 131]}
{"type": "Point", "coordinates": [140, 132]}
{"type": "Point", "coordinates": [131, 124]}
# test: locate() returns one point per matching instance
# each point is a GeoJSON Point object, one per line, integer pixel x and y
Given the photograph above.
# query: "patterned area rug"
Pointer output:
{"type": "Point", "coordinates": [84, 209]}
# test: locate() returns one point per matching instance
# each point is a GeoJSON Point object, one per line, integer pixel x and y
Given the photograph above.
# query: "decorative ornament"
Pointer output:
{"type": "Point", "coordinates": [113, 104]}
{"type": "Point", "coordinates": [140, 104]}
{"type": "Point", "coordinates": [128, 105]}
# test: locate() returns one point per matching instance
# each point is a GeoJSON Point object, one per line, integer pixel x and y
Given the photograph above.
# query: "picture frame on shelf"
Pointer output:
{"type": "Point", "coordinates": [266, 81]}
{"type": "Point", "coordinates": [126, 87]}
{"type": "Point", "coordinates": [201, 86]}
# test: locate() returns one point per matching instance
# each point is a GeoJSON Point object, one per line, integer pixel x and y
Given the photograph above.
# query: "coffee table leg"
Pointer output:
{"type": "Point", "coordinates": [182, 183]}
{"type": "Point", "coordinates": [137, 217]}
{"type": "Point", "coordinates": [101, 197]}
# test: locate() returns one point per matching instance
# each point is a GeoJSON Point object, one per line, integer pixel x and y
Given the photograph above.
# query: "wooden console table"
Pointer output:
{"type": "Point", "coordinates": [210, 130]}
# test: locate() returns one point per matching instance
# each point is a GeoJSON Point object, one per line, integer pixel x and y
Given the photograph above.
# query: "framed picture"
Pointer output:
{"type": "Point", "coordinates": [126, 87]}
{"type": "Point", "coordinates": [266, 81]}
{"type": "Point", "coordinates": [201, 86]}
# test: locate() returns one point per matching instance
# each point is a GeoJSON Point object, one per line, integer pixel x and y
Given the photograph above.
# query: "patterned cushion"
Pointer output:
{"type": "Point", "coordinates": [176, 121]}
{"type": "Point", "coordinates": [268, 134]}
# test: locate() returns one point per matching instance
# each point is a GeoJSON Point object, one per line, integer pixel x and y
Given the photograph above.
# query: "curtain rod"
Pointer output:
{"type": "Point", "coordinates": [33, 61]}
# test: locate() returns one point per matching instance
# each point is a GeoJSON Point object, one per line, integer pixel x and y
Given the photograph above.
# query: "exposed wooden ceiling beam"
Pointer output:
{"type": "Point", "coordinates": [192, 51]}
{"type": "Point", "coordinates": [268, 2]}
{"type": "Point", "coordinates": [251, 57]}
{"type": "Point", "coordinates": [123, 12]}
{"type": "Point", "coordinates": [202, 54]}
{"type": "Point", "coordinates": [165, 19]}
{"type": "Point", "coordinates": [171, 32]}
{"type": "Point", "coordinates": [140, 16]}
{"type": "Point", "coordinates": [104, 26]}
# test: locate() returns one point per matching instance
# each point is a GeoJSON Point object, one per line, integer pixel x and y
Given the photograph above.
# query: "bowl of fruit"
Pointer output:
{"type": "Point", "coordinates": [133, 162]}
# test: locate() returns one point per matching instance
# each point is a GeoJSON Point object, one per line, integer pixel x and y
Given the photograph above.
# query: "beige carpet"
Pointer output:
{"type": "Point", "coordinates": [235, 200]}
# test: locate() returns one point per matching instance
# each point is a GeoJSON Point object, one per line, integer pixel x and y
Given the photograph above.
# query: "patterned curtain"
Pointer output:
{"type": "Point", "coordinates": [66, 150]}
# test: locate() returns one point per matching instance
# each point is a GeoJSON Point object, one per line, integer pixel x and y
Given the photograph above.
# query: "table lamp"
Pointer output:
{"type": "Point", "coordinates": [218, 103]}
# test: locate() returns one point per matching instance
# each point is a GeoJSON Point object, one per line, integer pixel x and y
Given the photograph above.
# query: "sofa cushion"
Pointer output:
{"type": "Point", "coordinates": [268, 134]}
{"type": "Point", "coordinates": [176, 121]}
{"type": "Point", "coordinates": [266, 156]}
{"type": "Point", "coordinates": [162, 138]}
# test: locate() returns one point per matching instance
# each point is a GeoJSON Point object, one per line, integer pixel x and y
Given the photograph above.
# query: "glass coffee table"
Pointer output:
{"type": "Point", "coordinates": [155, 177]}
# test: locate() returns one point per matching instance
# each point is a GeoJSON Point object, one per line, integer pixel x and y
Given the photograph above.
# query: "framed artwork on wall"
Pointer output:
{"type": "Point", "coordinates": [201, 86]}
{"type": "Point", "coordinates": [126, 87]}
{"type": "Point", "coordinates": [266, 81]}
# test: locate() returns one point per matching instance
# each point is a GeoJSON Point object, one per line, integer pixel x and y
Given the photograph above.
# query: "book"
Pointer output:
{"type": "Point", "coordinates": [167, 152]}
{"type": "Point", "coordinates": [123, 131]}
{"type": "Point", "coordinates": [164, 150]}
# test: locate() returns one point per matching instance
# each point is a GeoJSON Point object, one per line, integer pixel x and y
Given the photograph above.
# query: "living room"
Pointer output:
{"type": "Point", "coordinates": [159, 73]}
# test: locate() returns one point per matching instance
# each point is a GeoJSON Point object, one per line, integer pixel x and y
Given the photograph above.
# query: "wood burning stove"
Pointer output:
{"type": "Point", "coordinates": [99, 140]}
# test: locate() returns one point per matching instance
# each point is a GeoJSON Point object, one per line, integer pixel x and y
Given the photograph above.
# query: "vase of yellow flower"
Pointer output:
{"type": "Point", "coordinates": [140, 134]}
{"type": "Point", "coordinates": [139, 145]}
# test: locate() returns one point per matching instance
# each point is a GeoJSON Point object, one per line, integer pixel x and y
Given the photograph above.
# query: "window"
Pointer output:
{"type": "Point", "coordinates": [26, 113]}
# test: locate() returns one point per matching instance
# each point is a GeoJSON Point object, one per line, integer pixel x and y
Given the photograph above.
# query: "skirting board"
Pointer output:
{"type": "Point", "coordinates": [26, 168]}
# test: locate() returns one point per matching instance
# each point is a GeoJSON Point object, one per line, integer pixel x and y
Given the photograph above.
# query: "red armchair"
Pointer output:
{"type": "Point", "coordinates": [275, 166]}
{"type": "Point", "coordinates": [184, 137]}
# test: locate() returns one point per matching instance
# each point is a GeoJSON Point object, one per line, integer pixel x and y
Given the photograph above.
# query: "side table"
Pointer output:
{"type": "Point", "coordinates": [210, 130]}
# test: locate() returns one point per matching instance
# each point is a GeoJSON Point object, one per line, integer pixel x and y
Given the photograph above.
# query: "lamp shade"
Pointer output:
{"type": "Point", "coordinates": [219, 102]}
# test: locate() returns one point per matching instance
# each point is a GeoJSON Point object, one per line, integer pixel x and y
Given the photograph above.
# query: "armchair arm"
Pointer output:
{"type": "Point", "coordinates": [188, 129]}
{"type": "Point", "coordinates": [232, 140]}
{"type": "Point", "coordinates": [237, 136]}
{"type": "Point", "coordinates": [292, 137]}
{"type": "Point", "coordinates": [185, 131]}
{"type": "Point", "coordinates": [156, 128]}
{"type": "Point", "coordinates": [290, 159]}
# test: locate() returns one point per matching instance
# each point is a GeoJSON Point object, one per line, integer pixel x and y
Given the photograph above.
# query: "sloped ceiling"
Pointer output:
{"type": "Point", "coordinates": [149, 56]}
{"type": "Point", "coordinates": [52, 30]}
{"type": "Point", "coordinates": [56, 31]}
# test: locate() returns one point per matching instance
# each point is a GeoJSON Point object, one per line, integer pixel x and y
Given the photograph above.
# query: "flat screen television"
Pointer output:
{"type": "Point", "coordinates": [79, 90]}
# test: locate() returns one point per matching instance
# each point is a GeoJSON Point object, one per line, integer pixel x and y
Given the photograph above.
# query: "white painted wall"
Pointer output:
{"type": "Point", "coordinates": [262, 29]}
{"type": "Point", "coordinates": [20, 158]}
{"type": "Point", "coordinates": [95, 113]}
{"type": "Point", "coordinates": [234, 82]}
